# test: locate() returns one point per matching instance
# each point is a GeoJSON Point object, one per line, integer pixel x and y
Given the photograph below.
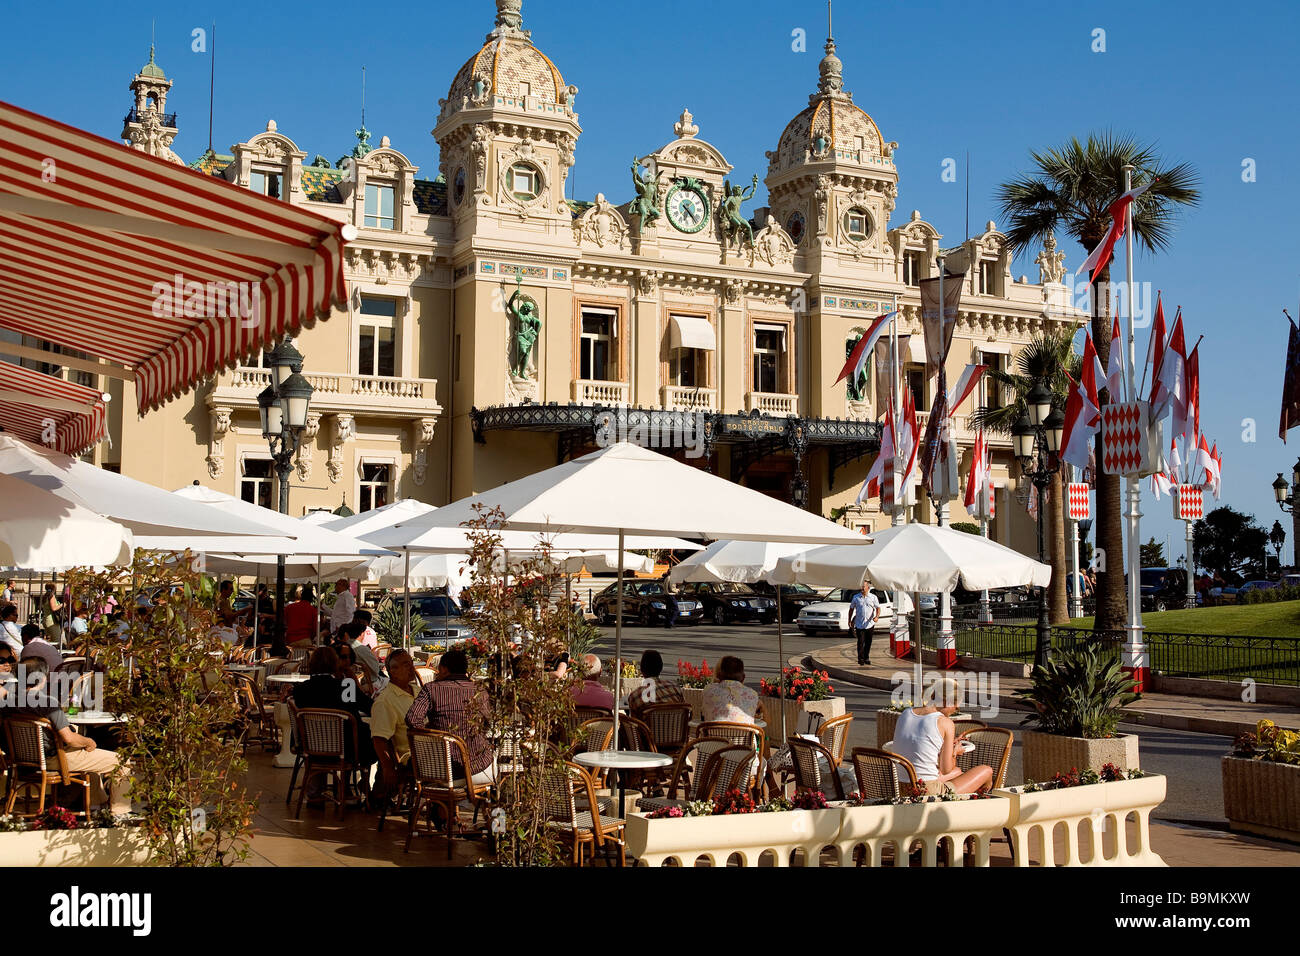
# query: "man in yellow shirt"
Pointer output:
{"type": "Point", "coordinates": [388, 722]}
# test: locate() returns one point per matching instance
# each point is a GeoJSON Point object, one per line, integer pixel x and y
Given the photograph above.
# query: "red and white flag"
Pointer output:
{"type": "Point", "coordinates": [978, 498]}
{"type": "Point", "coordinates": [1218, 470]}
{"type": "Point", "coordinates": [1115, 375]}
{"type": "Point", "coordinates": [1156, 350]}
{"type": "Point", "coordinates": [1167, 389]}
{"type": "Point", "coordinates": [1187, 409]}
{"type": "Point", "coordinates": [875, 482]}
{"type": "Point", "coordinates": [970, 377]}
{"type": "Point", "coordinates": [1032, 504]}
{"type": "Point", "coordinates": [1205, 463]}
{"type": "Point", "coordinates": [909, 438]}
{"type": "Point", "coordinates": [1082, 420]}
{"type": "Point", "coordinates": [1101, 256]}
{"type": "Point", "coordinates": [861, 353]}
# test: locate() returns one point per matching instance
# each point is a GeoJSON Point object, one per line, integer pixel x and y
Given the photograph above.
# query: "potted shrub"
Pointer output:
{"type": "Point", "coordinates": [1261, 782]}
{"type": "Point", "coordinates": [1078, 698]}
{"type": "Point", "coordinates": [806, 692]}
{"type": "Point", "coordinates": [692, 681]}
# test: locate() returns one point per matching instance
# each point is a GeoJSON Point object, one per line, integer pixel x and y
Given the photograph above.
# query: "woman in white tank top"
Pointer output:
{"type": "Point", "coordinates": [926, 737]}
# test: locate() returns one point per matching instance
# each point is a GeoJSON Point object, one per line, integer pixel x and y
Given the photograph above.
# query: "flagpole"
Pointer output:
{"type": "Point", "coordinates": [1076, 585]}
{"type": "Point", "coordinates": [1134, 651]}
{"type": "Point", "coordinates": [897, 516]}
{"type": "Point", "coordinates": [945, 645]}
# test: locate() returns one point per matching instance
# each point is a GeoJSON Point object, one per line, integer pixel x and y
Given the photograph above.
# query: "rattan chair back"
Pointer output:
{"type": "Point", "coordinates": [668, 724]}
{"type": "Point", "coordinates": [809, 772]}
{"type": "Point", "coordinates": [992, 747]}
{"type": "Point", "coordinates": [878, 773]}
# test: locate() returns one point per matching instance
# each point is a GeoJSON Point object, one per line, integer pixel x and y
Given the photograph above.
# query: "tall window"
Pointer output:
{"type": "Point", "coordinates": [991, 391]}
{"type": "Point", "coordinates": [769, 352]}
{"type": "Point", "coordinates": [379, 206]}
{"type": "Point", "coordinates": [687, 368]}
{"type": "Point", "coordinates": [916, 382]}
{"type": "Point", "coordinates": [911, 268]}
{"type": "Point", "coordinates": [255, 483]}
{"type": "Point", "coordinates": [374, 485]}
{"type": "Point", "coordinates": [264, 182]}
{"type": "Point", "coordinates": [597, 344]}
{"type": "Point", "coordinates": [376, 354]}
{"type": "Point", "coordinates": [988, 280]}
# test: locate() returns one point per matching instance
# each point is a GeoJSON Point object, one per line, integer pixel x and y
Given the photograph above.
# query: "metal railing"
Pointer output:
{"type": "Point", "coordinates": [167, 119]}
{"type": "Point", "coordinates": [1267, 660]}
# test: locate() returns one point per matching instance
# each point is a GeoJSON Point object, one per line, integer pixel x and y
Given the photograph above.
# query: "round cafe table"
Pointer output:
{"type": "Point", "coordinates": [623, 760]}
{"type": "Point", "coordinates": [285, 758]}
{"type": "Point", "coordinates": [288, 679]}
{"type": "Point", "coordinates": [95, 718]}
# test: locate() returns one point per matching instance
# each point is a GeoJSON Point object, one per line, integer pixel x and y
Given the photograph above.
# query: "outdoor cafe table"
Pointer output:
{"type": "Point", "coordinates": [623, 760]}
{"type": "Point", "coordinates": [284, 759]}
{"type": "Point", "coordinates": [95, 718]}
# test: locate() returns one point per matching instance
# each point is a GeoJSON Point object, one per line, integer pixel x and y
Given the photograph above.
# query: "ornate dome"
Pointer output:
{"type": "Point", "coordinates": [508, 61]}
{"type": "Point", "coordinates": [830, 122]}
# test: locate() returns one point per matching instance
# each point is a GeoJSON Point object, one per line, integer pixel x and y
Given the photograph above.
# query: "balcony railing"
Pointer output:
{"type": "Point", "coordinates": [594, 392]}
{"type": "Point", "coordinates": [331, 384]}
{"type": "Point", "coordinates": [689, 399]}
{"type": "Point", "coordinates": [168, 120]}
{"type": "Point", "coordinates": [777, 404]}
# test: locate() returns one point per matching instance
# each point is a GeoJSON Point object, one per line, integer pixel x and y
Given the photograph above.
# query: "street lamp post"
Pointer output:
{"type": "Point", "coordinates": [283, 406]}
{"type": "Point", "coordinates": [1037, 440]}
{"type": "Point", "coordinates": [1288, 499]}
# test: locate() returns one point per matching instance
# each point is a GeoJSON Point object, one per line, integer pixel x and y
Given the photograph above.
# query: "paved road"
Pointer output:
{"type": "Point", "coordinates": [1191, 761]}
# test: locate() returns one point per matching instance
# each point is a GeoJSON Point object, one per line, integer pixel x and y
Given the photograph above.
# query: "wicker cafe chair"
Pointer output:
{"type": "Point", "coordinates": [808, 768]}
{"type": "Point", "coordinates": [29, 766]}
{"type": "Point", "coordinates": [572, 808]}
{"type": "Point", "coordinates": [877, 772]}
{"type": "Point", "coordinates": [295, 747]}
{"type": "Point", "coordinates": [426, 675]}
{"type": "Point", "coordinates": [966, 726]}
{"type": "Point", "coordinates": [438, 762]}
{"type": "Point", "coordinates": [734, 733]}
{"type": "Point", "coordinates": [992, 747]}
{"type": "Point", "coordinates": [259, 716]}
{"type": "Point", "coordinates": [722, 767]}
{"type": "Point", "coordinates": [668, 726]}
{"type": "Point", "coordinates": [834, 736]}
{"type": "Point", "coordinates": [324, 734]}
{"type": "Point", "coordinates": [592, 713]}
{"type": "Point", "coordinates": [636, 735]}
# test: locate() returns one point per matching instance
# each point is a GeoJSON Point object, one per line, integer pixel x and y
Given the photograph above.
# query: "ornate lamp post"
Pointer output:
{"type": "Point", "coordinates": [283, 406]}
{"type": "Point", "coordinates": [1037, 439]}
{"type": "Point", "coordinates": [1288, 499]}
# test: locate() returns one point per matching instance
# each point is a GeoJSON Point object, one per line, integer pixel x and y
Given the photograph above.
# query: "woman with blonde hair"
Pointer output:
{"type": "Point", "coordinates": [927, 737]}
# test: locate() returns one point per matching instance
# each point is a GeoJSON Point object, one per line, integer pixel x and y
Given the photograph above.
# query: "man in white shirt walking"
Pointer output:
{"type": "Point", "coordinates": [864, 610]}
{"type": "Point", "coordinates": [345, 605]}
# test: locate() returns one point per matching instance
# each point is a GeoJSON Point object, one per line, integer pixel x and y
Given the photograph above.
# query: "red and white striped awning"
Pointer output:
{"type": "Point", "coordinates": [129, 258]}
{"type": "Point", "coordinates": [48, 411]}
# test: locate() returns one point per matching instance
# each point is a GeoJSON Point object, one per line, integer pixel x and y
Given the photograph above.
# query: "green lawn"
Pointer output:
{"type": "Point", "coordinates": [1281, 619]}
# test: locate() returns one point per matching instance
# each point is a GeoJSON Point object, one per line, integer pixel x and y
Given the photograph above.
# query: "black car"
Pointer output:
{"type": "Point", "coordinates": [646, 603]}
{"type": "Point", "coordinates": [729, 603]}
{"type": "Point", "coordinates": [794, 597]}
{"type": "Point", "coordinates": [1162, 588]}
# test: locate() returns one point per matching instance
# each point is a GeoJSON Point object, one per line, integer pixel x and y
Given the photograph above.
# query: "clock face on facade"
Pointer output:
{"type": "Point", "coordinates": [688, 208]}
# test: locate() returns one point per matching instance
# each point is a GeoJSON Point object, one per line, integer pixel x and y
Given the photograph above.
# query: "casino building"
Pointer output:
{"type": "Point", "coordinates": [495, 326]}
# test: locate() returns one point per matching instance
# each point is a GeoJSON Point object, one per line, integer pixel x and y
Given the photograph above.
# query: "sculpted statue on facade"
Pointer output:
{"type": "Point", "coordinates": [646, 204]}
{"type": "Point", "coordinates": [1051, 264]}
{"type": "Point", "coordinates": [733, 223]}
{"type": "Point", "coordinates": [527, 327]}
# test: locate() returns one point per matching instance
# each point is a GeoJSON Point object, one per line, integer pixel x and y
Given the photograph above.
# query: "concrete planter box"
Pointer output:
{"type": "Point", "coordinates": [1086, 826]}
{"type": "Point", "coordinates": [1046, 755]}
{"type": "Point", "coordinates": [1260, 796]}
{"type": "Point", "coordinates": [795, 721]}
{"type": "Point", "coordinates": [113, 846]}
{"type": "Point", "coordinates": [695, 697]}
{"type": "Point", "coordinates": [685, 839]}
{"type": "Point", "coordinates": [948, 823]}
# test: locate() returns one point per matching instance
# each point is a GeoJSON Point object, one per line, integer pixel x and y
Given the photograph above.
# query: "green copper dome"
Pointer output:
{"type": "Point", "coordinates": [151, 68]}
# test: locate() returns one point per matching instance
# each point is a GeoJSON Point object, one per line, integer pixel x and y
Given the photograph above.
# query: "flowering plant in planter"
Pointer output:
{"type": "Point", "coordinates": [799, 685]}
{"type": "Point", "coordinates": [778, 804]}
{"type": "Point", "coordinates": [810, 800]}
{"type": "Point", "coordinates": [1075, 777]}
{"type": "Point", "coordinates": [55, 818]}
{"type": "Point", "coordinates": [475, 648]}
{"type": "Point", "coordinates": [734, 801]}
{"type": "Point", "coordinates": [1269, 742]}
{"type": "Point", "coordinates": [688, 675]}
{"type": "Point", "coordinates": [898, 706]}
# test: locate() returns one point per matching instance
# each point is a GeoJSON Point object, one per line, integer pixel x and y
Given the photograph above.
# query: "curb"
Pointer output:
{"type": "Point", "coordinates": [1212, 726]}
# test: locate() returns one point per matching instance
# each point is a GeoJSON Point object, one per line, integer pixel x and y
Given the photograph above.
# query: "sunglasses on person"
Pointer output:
{"type": "Point", "coordinates": [11, 660]}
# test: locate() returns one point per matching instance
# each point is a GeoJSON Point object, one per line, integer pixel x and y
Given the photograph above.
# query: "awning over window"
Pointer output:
{"type": "Point", "coordinates": [916, 349]}
{"type": "Point", "coordinates": [691, 332]}
{"type": "Point", "coordinates": [48, 411]}
{"type": "Point", "coordinates": [129, 258]}
{"type": "Point", "coordinates": [994, 348]}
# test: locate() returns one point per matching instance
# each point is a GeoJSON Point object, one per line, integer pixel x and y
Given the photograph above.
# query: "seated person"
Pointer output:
{"type": "Point", "coordinates": [591, 693]}
{"type": "Point", "coordinates": [368, 636]}
{"type": "Point", "coordinates": [35, 645]}
{"type": "Point", "coordinates": [926, 736]}
{"type": "Point", "coordinates": [78, 625]}
{"type": "Point", "coordinates": [445, 704]}
{"type": "Point", "coordinates": [659, 691]}
{"type": "Point", "coordinates": [227, 616]}
{"type": "Point", "coordinates": [388, 722]}
{"type": "Point", "coordinates": [83, 754]}
{"type": "Point", "coordinates": [301, 620]}
{"type": "Point", "coordinates": [10, 632]}
{"type": "Point", "coordinates": [325, 688]}
{"type": "Point", "coordinates": [728, 698]}
{"type": "Point", "coordinates": [350, 634]}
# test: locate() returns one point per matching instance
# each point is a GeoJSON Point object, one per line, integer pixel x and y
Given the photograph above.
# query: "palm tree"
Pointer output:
{"type": "Point", "coordinates": [1048, 357]}
{"type": "Point", "coordinates": [1071, 188]}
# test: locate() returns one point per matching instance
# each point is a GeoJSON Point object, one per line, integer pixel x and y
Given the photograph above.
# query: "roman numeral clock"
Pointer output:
{"type": "Point", "coordinates": [688, 205]}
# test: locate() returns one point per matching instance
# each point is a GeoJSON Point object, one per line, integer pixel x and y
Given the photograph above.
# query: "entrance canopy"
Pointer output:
{"type": "Point", "coordinates": [168, 273]}
{"type": "Point", "coordinates": [46, 410]}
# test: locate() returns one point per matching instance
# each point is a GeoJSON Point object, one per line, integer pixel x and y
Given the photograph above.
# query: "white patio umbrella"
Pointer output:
{"type": "Point", "coordinates": [41, 530]}
{"type": "Point", "coordinates": [142, 508]}
{"type": "Point", "coordinates": [625, 489]}
{"type": "Point", "coordinates": [743, 562]}
{"type": "Point", "coordinates": [362, 525]}
{"type": "Point", "coordinates": [916, 558]}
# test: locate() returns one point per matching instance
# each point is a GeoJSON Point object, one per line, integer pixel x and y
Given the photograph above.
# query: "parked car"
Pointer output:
{"type": "Point", "coordinates": [443, 619]}
{"type": "Point", "coordinates": [832, 613]}
{"type": "Point", "coordinates": [646, 603]}
{"type": "Point", "coordinates": [1255, 586]}
{"type": "Point", "coordinates": [1162, 588]}
{"type": "Point", "coordinates": [730, 603]}
{"type": "Point", "coordinates": [794, 597]}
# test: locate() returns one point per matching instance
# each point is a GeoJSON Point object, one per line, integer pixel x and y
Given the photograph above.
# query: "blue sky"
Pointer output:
{"type": "Point", "coordinates": [1210, 83]}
